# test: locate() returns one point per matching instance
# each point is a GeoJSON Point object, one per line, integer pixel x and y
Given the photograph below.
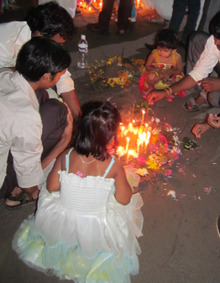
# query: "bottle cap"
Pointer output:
{"type": "Point", "coordinates": [83, 37]}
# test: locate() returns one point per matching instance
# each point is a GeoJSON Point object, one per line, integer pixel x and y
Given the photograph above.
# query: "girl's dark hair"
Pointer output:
{"type": "Point", "coordinates": [166, 38]}
{"type": "Point", "coordinates": [214, 26]}
{"type": "Point", "coordinates": [98, 125]}
{"type": "Point", "coordinates": [39, 56]}
{"type": "Point", "coordinates": [51, 19]}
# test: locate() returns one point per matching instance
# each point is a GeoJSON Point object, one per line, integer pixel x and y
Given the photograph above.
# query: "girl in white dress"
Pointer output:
{"type": "Point", "coordinates": [87, 220]}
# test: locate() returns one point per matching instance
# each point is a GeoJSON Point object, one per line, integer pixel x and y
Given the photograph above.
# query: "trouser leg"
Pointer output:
{"type": "Point", "coordinates": [105, 14]}
{"type": "Point", "coordinates": [197, 43]}
{"type": "Point", "coordinates": [10, 181]}
{"type": "Point", "coordinates": [193, 14]}
{"type": "Point", "coordinates": [179, 9]}
{"type": "Point", "coordinates": [211, 7]}
{"type": "Point", "coordinates": [196, 46]}
{"type": "Point", "coordinates": [124, 13]}
{"type": "Point", "coordinates": [214, 98]}
{"type": "Point", "coordinates": [54, 118]}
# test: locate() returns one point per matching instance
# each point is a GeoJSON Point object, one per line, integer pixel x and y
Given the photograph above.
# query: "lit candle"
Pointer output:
{"type": "Point", "coordinates": [127, 157]}
{"type": "Point", "coordinates": [142, 120]}
{"type": "Point", "coordinates": [147, 139]}
{"type": "Point", "coordinates": [130, 127]}
{"type": "Point", "coordinates": [100, 5]}
{"type": "Point", "coordinates": [132, 153]}
{"type": "Point", "coordinates": [127, 144]}
{"type": "Point", "coordinates": [138, 144]}
{"type": "Point", "coordinates": [138, 3]}
{"type": "Point", "coordinates": [122, 131]}
{"type": "Point", "coordinates": [120, 151]}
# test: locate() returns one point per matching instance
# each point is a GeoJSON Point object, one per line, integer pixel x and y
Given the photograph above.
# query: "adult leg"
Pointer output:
{"type": "Point", "coordinates": [54, 118]}
{"type": "Point", "coordinates": [193, 14]}
{"type": "Point", "coordinates": [10, 181]}
{"type": "Point", "coordinates": [179, 10]}
{"type": "Point", "coordinates": [214, 98]}
{"type": "Point", "coordinates": [105, 14]}
{"type": "Point", "coordinates": [133, 13]}
{"type": "Point", "coordinates": [211, 7]}
{"type": "Point", "coordinates": [124, 13]}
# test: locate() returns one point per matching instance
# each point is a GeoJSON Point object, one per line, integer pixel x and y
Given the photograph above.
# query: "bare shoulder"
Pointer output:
{"type": "Point", "coordinates": [117, 166]}
{"type": "Point", "coordinates": [178, 56]}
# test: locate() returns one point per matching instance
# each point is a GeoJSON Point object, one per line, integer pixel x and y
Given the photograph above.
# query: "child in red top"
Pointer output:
{"type": "Point", "coordinates": [163, 66]}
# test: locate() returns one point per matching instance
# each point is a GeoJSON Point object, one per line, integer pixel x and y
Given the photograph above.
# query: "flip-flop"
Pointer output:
{"type": "Point", "coordinates": [195, 106]}
{"type": "Point", "coordinates": [23, 202]}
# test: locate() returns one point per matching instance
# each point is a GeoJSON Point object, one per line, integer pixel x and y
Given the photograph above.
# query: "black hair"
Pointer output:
{"type": "Point", "coordinates": [214, 26]}
{"type": "Point", "coordinates": [98, 125]}
{"type": "Point", "coordinates": [39, 56]}
{"type": "Point", "coordinates": [166, 38]}
{"type": "Point", "coordinates": [51, 19]}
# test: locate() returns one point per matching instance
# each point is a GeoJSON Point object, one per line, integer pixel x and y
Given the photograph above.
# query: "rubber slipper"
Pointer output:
{"type": "Point", "coordinates": [17, 198]}
{"type": "Point", "coordinates": [23, 202]}
{"type": "Point", "coordinates": [195, 107]}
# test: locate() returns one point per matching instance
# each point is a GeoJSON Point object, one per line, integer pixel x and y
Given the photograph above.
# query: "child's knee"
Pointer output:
{"type": "Point", "coordinates": [152, 78]}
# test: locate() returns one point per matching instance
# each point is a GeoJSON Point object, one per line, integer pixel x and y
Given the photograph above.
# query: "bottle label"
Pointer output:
{"type": "Point", "coordinates": [82, 47]}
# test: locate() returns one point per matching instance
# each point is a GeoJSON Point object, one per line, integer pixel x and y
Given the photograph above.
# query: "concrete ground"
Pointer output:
{"type": "Point", "coordinates": [180, 243]}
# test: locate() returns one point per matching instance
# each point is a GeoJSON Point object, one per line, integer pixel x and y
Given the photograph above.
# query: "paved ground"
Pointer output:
{"type": "Point", "coordinates": [180, 242]}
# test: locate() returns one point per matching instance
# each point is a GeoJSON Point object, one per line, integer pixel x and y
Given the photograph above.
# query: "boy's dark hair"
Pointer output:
{"type": "Point", "coordinates": [166, 38]}
{"type": "Point", "coordinates": [98, 125]}
{"type": "Point", "coordinates": [214, 26]}
{"type": "Point", "coordinates": [39, 56]}
{"type": "Point", "coordinates": [51, 19]}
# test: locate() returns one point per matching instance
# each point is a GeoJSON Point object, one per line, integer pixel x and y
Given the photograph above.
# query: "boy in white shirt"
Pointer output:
{"type": "Point", "coordinates": [40, 64]}
{"type": "Point", "coordinates": [49, 20]}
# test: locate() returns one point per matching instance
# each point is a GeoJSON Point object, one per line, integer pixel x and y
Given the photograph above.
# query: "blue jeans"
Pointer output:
{"type": "Point", "coordinates": [179, 9]}
{"type": "Point", "coordinates": [133, 12]}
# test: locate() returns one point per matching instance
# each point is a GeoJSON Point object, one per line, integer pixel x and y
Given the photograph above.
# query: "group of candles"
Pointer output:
{"type": "Point", "coordinates": [98, 3]}
{"type": "Point", "coordinates": [142, 135]}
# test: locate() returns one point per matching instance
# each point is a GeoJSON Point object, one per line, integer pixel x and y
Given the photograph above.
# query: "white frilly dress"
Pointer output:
{"type": "Point", "coordinates": [82, 233]}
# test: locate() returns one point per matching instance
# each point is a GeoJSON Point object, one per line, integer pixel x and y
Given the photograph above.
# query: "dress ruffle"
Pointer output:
{"type": "Point", "coordinates": [85, 247]}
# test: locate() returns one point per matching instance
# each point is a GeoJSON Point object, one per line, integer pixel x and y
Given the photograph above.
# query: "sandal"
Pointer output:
{"type": "Point", "coordinates": [23, 202]}
{"type": "Point", "coordinates": [194, 106]}
{"type": "Point", "coordinates": [17, 198]}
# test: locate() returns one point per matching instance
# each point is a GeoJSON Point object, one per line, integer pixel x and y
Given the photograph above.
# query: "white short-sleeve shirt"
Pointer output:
{"type": "Point", "coordinates": [20, 129]}
{"type": "Point", "coordinates": [207, 61]}
{"type": "Point", "coordinates": [13, 36]}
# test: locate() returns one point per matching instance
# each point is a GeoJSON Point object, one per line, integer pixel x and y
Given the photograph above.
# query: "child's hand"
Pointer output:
{"type": "Point", "coordinates": [164, 74]}
{"type": "Point", "coordinates": [200, 129]}
{"type": "Point", "coordinates": [155, 96]}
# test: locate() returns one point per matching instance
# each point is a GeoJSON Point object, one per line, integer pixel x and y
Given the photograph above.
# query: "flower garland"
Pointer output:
{"type": "Point", "coordinates": [128, 70]}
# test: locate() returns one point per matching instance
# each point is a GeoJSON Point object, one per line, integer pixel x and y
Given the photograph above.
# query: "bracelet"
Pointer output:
{"type": "Point", "coordinates": [155, 72]}
{"type": "Point", "coordinates": [169, 92]}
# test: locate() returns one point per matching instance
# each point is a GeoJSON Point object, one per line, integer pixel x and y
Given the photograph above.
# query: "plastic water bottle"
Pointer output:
{"type": "Point", "coordinates": [82, 52]}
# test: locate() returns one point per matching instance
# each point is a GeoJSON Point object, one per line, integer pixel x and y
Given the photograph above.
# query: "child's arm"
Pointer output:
{"type": "Point", "coordinates": [179, 64]}
{"type": "Point", "coordinates": [123, 190]}
{"type": "Point", "coordinates": [53, 183]}
{"type": "Point", "coordinates": [149, 61]}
